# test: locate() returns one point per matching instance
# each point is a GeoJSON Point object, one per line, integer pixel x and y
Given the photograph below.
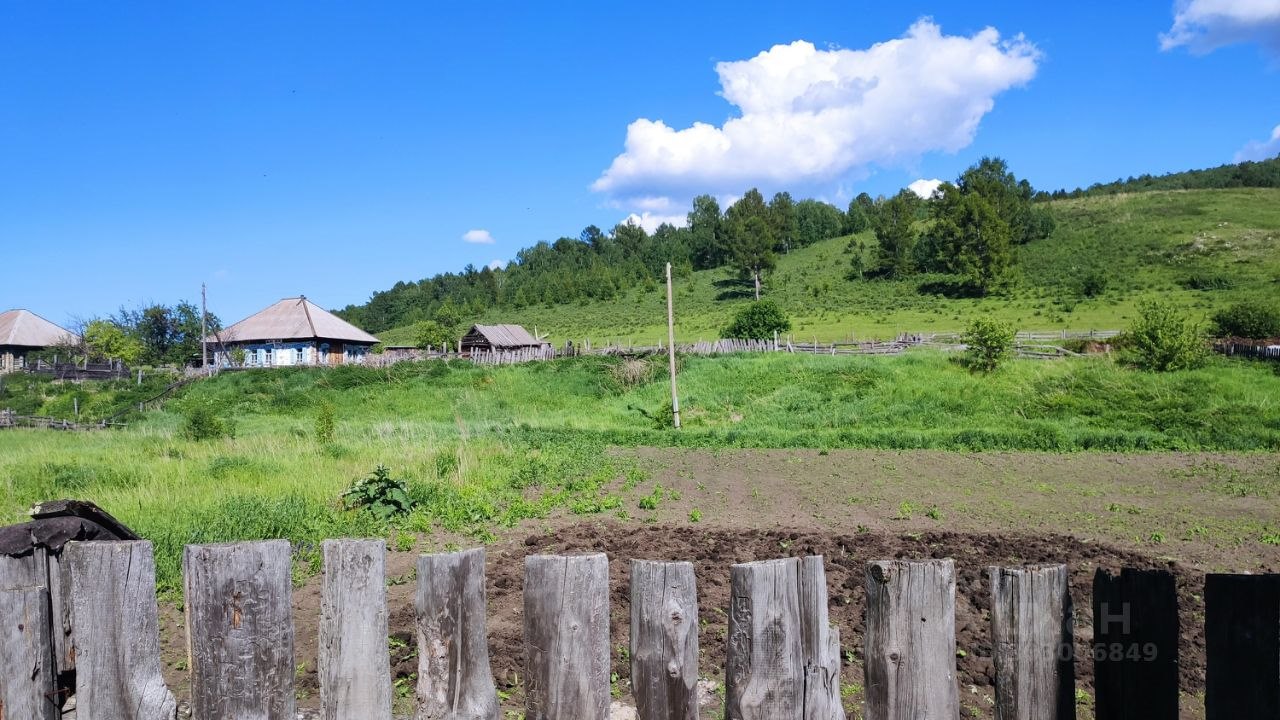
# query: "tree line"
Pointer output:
{"type": "Point", "coordinates": [1261, 174]}
{"type": "Point", "coordinates": [154, 334]}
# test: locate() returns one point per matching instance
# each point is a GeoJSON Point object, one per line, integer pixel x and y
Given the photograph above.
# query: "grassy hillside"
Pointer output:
{"type": "Point", "coordinates": [483, 448]}
{"type": "Point", "coordinates": [1199, 248]}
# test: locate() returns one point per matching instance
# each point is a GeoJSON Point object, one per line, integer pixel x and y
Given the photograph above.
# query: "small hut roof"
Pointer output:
{"type": "Point", "coordinates": [505, 335]}
{"type": "Point", "coordinates": [27, 329]}
{"type": "Point", "coordinates": [293, 319]}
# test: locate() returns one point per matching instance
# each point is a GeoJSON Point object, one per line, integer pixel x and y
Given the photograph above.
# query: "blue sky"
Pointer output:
{"type": "Point", "coordinates": [333, 149]}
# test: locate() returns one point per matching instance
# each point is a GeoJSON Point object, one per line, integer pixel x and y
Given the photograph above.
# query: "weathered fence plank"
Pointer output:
{"type": "Point", "coordinates": [26, 661]}
{"type": "Point", "coordinates": [566, 637]}
{"type": "Point", "coordinates": [354, 672]}
{"type": "Point", "coordinates": [910, 657]}
{"type": "Point", "coordinates": [821, 645]}
{"type": "Point", "coordinates": [25, 571]}
{"type": "Point", "coordinates": [1032, 641]}
{"type": "Point", "coordinates": [664, 640]}
{"type": "Point", "coordinates": [114, 612]}
{"type": "Point", "coordinates": [764, 673]}
{"type": "Point", "coordinates": [1242, 642]}
{"type": "Point", "coordinates": [240, 630]}
{"type": "Point", "coordinates": [455, 681]}
{"type": "Point", "coordinates": [1135, 645]}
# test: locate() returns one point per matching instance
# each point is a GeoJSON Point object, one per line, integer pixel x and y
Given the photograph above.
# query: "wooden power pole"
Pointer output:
{"type": "Point", "coordinates": [671, 350]}
{"type": "Point", "coordinates": [204, 329]}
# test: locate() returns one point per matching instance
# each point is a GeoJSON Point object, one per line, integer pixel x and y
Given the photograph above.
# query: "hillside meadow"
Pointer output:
{"type": "Point", "coordinates": [484, 448]}
{"type": "Point", "coordinates": [1200, 249]}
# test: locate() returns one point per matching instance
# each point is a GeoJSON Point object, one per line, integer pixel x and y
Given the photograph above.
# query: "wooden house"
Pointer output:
{"type": "Point", "coordinates": [22, 332]}
{"type": "Point", "coordinates": [294, 331]}
{"type": "Point", "coordinates": [499, 337]}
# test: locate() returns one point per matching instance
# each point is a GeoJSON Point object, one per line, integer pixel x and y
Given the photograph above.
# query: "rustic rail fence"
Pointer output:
{"type": "Point", "coordinates": [84, 370]}
{"type": "Point", "coordinates": [93, 608]}
{"type": "Point", "coordinates": [1265, 349]}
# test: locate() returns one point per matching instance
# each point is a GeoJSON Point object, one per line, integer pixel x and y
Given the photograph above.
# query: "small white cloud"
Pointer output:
{"type": "Point", "coordinates": [810, 115]}
{"type": "Point", "coordinates": [1205, 25]}
{"type": "Point", "coordinates": [479, 237]}
{"type": "Point", "coordinates": [1261, 150]}
{"type": "Point", "coordinates": [925, 188]}
{"type": "Point", "coordinates": [652, 221]}
{"type": "Point", "coordinates": [496, 264]}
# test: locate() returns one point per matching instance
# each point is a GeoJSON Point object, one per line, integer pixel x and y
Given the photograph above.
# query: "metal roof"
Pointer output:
{"type": "Point", "coordinates": [26, 329]}
{"type": "Point", "coordinates": [293, 319]}
{"type": "Point", "coordinates": [505, 335]}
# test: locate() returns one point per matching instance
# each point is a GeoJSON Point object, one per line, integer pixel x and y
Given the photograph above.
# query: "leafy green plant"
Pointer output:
{"type": "Point", "coordinates": [990, 342]}
{"type": "Point", "coordinates": [1164, 339]}
{"type": "Point", "coordinates": [326, 423]}
{"type": "Point", "coordinates": [382, 495]}
{"type": "Point", "coordinates": [758, 321]}
{"type": "Point", "coordinates": [1249, 319]}
{"type": "Point", "coordinates": [201, 422]}
{"type": "Point", "coordinates": [695, 515]}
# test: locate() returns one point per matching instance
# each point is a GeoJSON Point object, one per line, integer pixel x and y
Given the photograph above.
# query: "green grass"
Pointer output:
{"type": "Point", "coordinates": [1156, 244]}
{"type": "Point", "coordinates": [483, 448]}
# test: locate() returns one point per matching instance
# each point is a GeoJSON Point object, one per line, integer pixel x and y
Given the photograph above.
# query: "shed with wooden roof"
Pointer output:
{"type": "Point", "coordinates": [294, 331]}
{"type": "Point", "coordinates": [499, 337]}
{"type": "Point", "coordinates": [23, 332]}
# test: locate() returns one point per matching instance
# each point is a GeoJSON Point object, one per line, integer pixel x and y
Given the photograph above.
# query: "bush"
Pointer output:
{"type": "Point", "coordinates": [326, 423]}
{"type": "Point", "coordinates": [202, 423]}
{"type": "Point", "coordinates": [380, 494]}
{"type": "Point", "coordinates": [1093, 283]}
{"type": "Point", "coordinates": [1164, 339]}
{"type": "Point", "coordinates": [1250, 319]}
{"type": "Point", "coordinates": [758, 321]}
{"type": "Point", "coordinates": [990, 341]}
{"type": "Point", "coordinates": [631, 373]}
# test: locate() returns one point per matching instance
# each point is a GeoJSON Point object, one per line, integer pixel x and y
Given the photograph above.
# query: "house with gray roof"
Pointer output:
{"type": "Point", "coordinates": [294, 331]}
{"type": "Point", "coordinates": [23, 332]}
{"type": "Point", "coordinates": [499, 337]}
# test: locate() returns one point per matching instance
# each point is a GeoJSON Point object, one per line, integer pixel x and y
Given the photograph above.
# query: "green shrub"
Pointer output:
{"type": "Point", "coordinates": [758, 321]}
{"type": "Point", "coordinates": [1208, 281]}
{"type": "Point", "coordinates": [326, 423]}
{"type": "Point", "coordinates": [201, 422]}
{"type": "Point", "coordinates": [990, 342]}
{"type": "Point", "coordinates": [1093, 283]}
{"type": "Point", "coordinates": [382, 495]}
{"type": "Point", "coordinates": [1163, 339]}
{"type": "Point", "coordinates": [1250, 319]}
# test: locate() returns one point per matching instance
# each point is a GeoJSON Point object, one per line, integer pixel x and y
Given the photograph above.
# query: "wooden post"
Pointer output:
{"type": "Point", "coordinates": [455, 681]}
{"type": "Point", "coordinates": [1242, 641]}
{"type": "Point", "coordinates": [240, 630]}
{"type": "Point", "coordinates": [1135, 645]}
{"type": "Point", "coordinates": [820, 645]}
{"type": "Point", "coordinates": [566, 637]}
{"type": "Point", "coordinates": [671, 353]}
{"type": "Point", "coordinates": [664, 640]}
{"type": "Point", "coordinates": [27, 675]}
{"type": "Point", "coordinates": [910, 656]}
{"type": "Point", "coordinates": [764, 673]}
{"type": "Point", "coordinates": [354, 668]}
{"type": "Point", "coordinates": [1032, 641]}
{"type": "Point", "coordinates": [114, 612]}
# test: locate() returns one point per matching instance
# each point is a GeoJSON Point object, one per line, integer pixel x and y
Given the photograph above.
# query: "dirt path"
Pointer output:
{"type": "Point", "coordinates": [1189, 513]}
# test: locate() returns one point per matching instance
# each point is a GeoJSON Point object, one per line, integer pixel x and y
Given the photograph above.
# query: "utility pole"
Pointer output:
{"type": "Point", "coordinates": [671, 350]}
{"type": "Point", "coordinates": [757, 279]}
{"type": "Point", "coordinates": [204, 329]}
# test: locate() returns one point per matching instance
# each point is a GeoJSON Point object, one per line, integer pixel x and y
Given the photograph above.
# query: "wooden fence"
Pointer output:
{"type": "Point", "coordinates": [94, 609]}
{"type": "Point", "coordinates": [10, 419]}
{"type": "Point", "coordinates": [1266, 349]}
{"type": "Point", "coordinates": [110, 370]}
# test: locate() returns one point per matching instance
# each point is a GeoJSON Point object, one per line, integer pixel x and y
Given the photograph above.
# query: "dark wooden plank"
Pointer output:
{"type": "Point", "coordinates": [27, 673]}
{"type": "Point", "coordinates": [1135, 645]}
{"type": "Point", "coordinates": [1242, 642]}
{"type": "Point", "coordinates": [1031, 637]}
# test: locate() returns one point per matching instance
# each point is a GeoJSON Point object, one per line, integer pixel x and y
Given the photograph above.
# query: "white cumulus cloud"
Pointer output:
{"type": "Point", "coordinates": [651, 221]}
{"type": "Point", "coordinates": [925, 188]}
{"type": "Point", "coordinates": [480, 237]}
{"type": "Point", "coordinates": [1261, 150]}
{"type": "Point", "coordinates": [496, 264]}
{"type": "Point", "coordinates": [1203, 25]}
{"type": "Point", "coordinates": [810, 115]}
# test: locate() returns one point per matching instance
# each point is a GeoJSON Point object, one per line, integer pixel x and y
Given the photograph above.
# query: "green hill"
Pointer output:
{"type": "Point", "coordinates": [1198, 248]}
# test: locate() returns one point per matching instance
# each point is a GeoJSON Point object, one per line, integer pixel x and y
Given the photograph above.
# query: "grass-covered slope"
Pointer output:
{"type": "Point", "coordinates": [1200, 249]}
{"type": "Point", "coordinates": [483, 448]}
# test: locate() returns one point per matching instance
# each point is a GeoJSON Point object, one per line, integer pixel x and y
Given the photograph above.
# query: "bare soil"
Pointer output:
{"type": "Point", "coordinates": [1189, 514]}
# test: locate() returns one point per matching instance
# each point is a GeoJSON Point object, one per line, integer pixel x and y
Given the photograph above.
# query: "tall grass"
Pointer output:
{"type": "Point", "coordinates": [482, 448]}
